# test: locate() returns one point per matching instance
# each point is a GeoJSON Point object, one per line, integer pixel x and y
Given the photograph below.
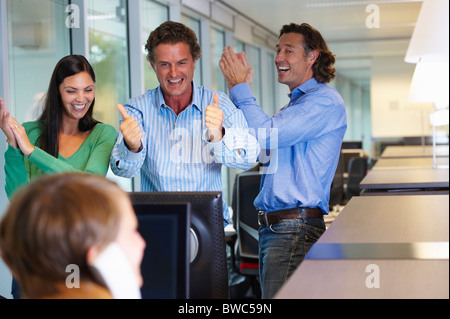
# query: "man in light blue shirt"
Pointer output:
{"type": "Point", "coordinates": [302, 143]}
{"type": "Point", "coordinates": [179, 135]}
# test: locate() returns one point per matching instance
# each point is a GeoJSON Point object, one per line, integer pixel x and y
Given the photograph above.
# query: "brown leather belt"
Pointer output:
{"type": "Point", "coordinates": [270, 218]}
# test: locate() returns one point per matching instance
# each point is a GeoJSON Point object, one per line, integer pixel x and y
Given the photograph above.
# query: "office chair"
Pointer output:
{"type": "Point", "coordinates": [357, 169]}
{"type": "Point", "coordinates": [337, 185]}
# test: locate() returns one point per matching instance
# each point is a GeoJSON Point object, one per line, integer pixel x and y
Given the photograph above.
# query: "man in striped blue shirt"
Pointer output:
{"type": "Point", "coordinates": [179, 135]}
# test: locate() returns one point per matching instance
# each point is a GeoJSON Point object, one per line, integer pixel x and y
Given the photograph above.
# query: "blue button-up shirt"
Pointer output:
{"type": "Point", "coordinates": [176, 154]}
{"type": "Point", "coordinates": [300, 145]}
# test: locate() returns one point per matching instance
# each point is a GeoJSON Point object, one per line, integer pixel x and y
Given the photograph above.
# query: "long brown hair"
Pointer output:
{"type": "Point", "coordinates": [323, 70]}
{"type": "Point", "coordinates": [51, 117]}
{"type": "Point", "coordinates": [51, 223]}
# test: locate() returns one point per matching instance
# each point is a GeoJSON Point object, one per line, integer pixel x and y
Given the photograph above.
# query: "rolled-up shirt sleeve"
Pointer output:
{"type": "Point", "coordinates": [238, 148]}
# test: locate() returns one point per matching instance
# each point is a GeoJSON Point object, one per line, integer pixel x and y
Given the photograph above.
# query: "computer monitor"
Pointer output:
{"type": "Point", "coordinates": [352, 145]}
{"type": "Point", "coordinates": [165, 266]}
{"type": "Point", "coordinates": [248, 185]}
{"type": "Point", "coordinates": [348, 154]}
{"type": "Point", "coordinates": [208, 277]}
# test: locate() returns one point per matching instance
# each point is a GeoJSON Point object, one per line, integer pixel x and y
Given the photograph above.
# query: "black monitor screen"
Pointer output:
{"type": "Point", "coordinates": [247, 221]}
{"type": "Point", "coordinates": [352, 144]}
{"type": "Point", "coordinates": [165, 266]}
{"type": "Point", "coordinates": [208, 277]}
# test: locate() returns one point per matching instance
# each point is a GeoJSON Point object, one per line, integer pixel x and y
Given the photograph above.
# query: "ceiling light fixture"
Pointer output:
{"type": "Point", "coordinates": [355, 3]}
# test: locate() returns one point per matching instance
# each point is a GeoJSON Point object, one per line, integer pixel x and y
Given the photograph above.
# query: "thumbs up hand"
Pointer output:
{"type": "Point", "coordinates": [214, 120]}
{"type": "Point", "coordinates": [130, 130]}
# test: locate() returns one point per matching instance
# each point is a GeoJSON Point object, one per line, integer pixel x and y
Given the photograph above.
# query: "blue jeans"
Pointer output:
{"type": "Point", "coordinates": [282, 248]}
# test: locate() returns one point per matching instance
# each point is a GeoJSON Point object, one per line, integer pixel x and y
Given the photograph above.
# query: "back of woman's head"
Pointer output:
{"type": "Point", "coordinates": [52, 223]}
{"type": "Point", "coordinates": [51, 116]}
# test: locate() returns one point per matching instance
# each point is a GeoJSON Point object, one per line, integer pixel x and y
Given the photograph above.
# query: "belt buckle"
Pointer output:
{"type": "Point", "coordinates": [262, 215]}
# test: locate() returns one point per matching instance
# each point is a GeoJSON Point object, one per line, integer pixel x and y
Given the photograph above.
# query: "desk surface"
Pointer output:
{"type": "Point", "coordinates": [385, 219]}
{"type": "Point", "coordinates": [391, 219]}
{"type": "Point", "coordinates": [414, 151]}
{"type": "Point", "coordinates": [326, 279]}
{"type": "Point", "coordinates": [406, 178]}
{"type": "Point", "coordinates": [410, 162]}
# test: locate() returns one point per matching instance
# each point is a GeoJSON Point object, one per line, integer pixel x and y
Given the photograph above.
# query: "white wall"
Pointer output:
{"type": "Point", "coordinates": [392, 114]}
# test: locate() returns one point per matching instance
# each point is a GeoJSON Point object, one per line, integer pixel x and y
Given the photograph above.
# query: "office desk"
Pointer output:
{"type": "Point", "coordinates": [405, 181]}
{"type": "Point", "coordinates": [410, 162]}
{"type": "Point", "coordinates": [379, 221]}
{"type": "Point", "coordinates": [414, 151]}
{"type": "Point", "coordinates": [346, 279]}
{"type": "Point", "coordinates": [391, 219]}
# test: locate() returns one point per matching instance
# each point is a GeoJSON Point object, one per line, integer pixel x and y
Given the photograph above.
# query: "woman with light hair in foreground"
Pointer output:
{"type": "Point", "coordinates": [73, 236]}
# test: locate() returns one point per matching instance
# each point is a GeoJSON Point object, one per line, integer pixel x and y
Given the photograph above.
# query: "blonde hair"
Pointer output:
{"type": "Point", "coordinates": [51, 223]}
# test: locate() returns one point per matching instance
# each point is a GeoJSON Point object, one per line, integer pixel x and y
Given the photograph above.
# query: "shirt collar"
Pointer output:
{"type": "Point", "coordinates": [304, 88]}
{"type": "Point", "coordinates": [196, 101]}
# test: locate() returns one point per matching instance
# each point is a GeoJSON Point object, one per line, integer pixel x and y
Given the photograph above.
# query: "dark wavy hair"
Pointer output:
{"type": "Point", "coordinates": [323, 70]}
{"type": "Point", "coordinates": [172, 32]}
{"type": "Point", "coordinates": [51, 117]}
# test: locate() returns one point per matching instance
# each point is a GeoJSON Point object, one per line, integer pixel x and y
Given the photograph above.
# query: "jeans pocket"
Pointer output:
{"type": "Point", "coordinates": [312, 235]}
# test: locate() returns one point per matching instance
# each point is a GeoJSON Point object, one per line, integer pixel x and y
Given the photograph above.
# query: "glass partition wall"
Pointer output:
{"type": "Point", "coordinates": [37, 39]}
{"type": "Point", "coordinates": [153, 14]}
{"type": "Point", "coordinates": [108, 54]}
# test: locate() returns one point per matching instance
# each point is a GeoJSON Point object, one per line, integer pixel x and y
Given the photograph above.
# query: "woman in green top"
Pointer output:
{"type": "Point", "coordinates": [66, 138]}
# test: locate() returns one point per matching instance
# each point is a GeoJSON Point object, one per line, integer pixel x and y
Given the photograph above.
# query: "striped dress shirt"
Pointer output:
{"type": "Point", "coordinates": [176, 155]}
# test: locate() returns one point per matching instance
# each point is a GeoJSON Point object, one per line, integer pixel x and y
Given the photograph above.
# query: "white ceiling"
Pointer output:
{"type": "Point", "coordinates": [343, 25]}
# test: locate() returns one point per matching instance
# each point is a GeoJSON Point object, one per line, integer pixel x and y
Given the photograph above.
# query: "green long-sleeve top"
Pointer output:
{"type": "Point", "coordinates": [92, 157]}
